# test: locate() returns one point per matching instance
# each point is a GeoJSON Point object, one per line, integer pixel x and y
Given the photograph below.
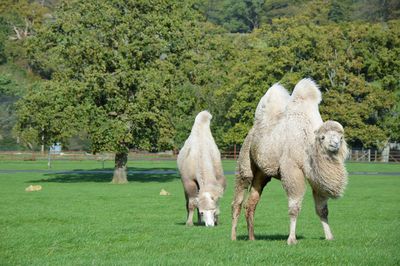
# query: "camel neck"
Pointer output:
{"type": "Point", "coordinates": [327, 175]}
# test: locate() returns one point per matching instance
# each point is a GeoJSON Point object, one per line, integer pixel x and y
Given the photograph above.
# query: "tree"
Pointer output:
{"type": "Point", "coordinates": [3, 38]}
{"type": "Point", "coordinates": [243, 16]}
{"type": "Point", "coordinates": [22, 16]}
{"type": "Point", "coordinates": [355, 64]}
{"type": "Point", "coordinates": [235, 16]}
{"type": "Point", "coordinates": [377, 10]}
{"type": "Point", "coordinates": [247, 15]}
{"type": "Point", "coordinates": [17, 22]}
{"type": "Point", "coordinates": [113, 65]}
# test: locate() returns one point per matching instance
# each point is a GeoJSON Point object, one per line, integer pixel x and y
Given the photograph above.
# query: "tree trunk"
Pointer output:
{"type": "Point", "coordinates": [120, 170]}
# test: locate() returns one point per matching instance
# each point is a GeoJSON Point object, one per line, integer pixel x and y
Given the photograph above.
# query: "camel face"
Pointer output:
{"type": "Point", "coordinates": [208, 209]}
{"type": "Point", "coordinates": [208, 216]}
{"type": "Point", "coordinates": [331, 140]}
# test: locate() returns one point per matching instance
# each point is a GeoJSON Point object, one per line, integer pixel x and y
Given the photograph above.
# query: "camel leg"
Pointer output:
{"type": "Point", "coordinates": [321, 208]}
{"type": "Point", "coordinates": [191, 191]}
{"type": "Point", "coordinates": [257, 187]}
{"type": "Point", "coordinates": [190, 207]}
{"type": "Point", "coordinates": [294, 210]}
{"type": "Point", "coordinates": [294, 184]}
{"type": "Point", "coordinates": [199, 221]}
{"type": "Point", "coordinates": [237, 207]}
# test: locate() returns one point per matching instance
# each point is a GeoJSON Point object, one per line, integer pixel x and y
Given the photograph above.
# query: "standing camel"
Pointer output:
{"type": "Point", "coordinates": [290, 142]}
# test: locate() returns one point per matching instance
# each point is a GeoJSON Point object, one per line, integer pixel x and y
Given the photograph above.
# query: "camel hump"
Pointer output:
{"type": "Point", "coordinates": [203, 117]}
{"type": "Point", "coordinates": [307, 90]}
{"type": "Point", "coordinates": [272, 103]}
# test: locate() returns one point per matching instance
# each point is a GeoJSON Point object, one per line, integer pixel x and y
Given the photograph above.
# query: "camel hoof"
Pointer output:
{"type": "Point", "coordinates": [292, 241]}
{"type": "Point", "coordinates": [329, 238]}
{"type": "Point", "coordinates": [189, 224]}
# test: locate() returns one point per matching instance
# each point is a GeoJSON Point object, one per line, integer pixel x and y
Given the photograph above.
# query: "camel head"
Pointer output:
{"type": "Point", "coordinates": [208, 207]}
{"type": "Point", "coordinates": [330, 137]}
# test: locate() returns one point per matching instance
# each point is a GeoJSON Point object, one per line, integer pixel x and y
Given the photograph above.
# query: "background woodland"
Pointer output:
{"type": "Point", "coordinates": [118, 75]}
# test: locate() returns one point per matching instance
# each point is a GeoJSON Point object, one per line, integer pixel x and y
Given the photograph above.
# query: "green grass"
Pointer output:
{"type": "Point", "coordinates": [81, 219]}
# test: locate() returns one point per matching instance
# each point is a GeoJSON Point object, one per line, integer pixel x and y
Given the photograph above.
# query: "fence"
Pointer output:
{"type": "Point", "coordinates": [81, 156]}
{"type": "Point", "coordinates": [370, 155]}
{"type": "Point", "coordinates": [355, 155]}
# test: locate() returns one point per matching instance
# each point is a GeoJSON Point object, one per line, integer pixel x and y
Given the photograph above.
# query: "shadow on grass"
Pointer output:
{"type": "Point", "coordinates": [195, 224]}
{"type": "Point", "coordinates": [143, 175]}
{"type": "Point", "coordinates": [267, 237]}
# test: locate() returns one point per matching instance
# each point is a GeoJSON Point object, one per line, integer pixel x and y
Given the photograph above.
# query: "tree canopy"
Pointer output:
{"type": "Point", "coordinates": [247, 15]}
{"type": "Point", "coordinates": [356, 66]}
{"type": "Point", "coordinates": [133, 74]}
{"type": "Point", "coordinates": [112, 67]}
{"type": "Point", "coordinates": [118, 60]}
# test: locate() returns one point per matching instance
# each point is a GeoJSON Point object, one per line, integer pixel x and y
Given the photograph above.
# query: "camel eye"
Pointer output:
{"type": "Point", "coordinates": [322, 137]}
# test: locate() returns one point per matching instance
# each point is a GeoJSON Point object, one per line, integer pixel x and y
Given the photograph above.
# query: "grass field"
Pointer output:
{"type": "Point", "coordinates": [81, 219]}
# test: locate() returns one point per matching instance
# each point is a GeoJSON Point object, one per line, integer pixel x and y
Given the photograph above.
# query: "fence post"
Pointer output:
{"type": "Point", "coordinates": [369, 155]}
{"type": "Point", "coordinates": [385, 154]}
{"type": "Point", "coordinates": [234, 151]}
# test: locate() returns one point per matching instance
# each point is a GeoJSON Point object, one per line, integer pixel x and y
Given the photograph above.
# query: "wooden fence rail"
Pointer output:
{"type": "Point", "coordinates": [354, 155]}
{"type": "Point", "coordinates": [374, 156]}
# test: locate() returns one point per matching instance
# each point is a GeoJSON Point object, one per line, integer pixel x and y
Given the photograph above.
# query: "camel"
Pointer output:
{"type": "Point", "coordinates": [290, 142]}
{"type": "Point", "coordinates": [199, 163]}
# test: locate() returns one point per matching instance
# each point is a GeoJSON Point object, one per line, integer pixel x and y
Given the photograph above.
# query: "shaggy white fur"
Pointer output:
{"type": "Point", "coordinates": [286, 143]}
{"type": "Point", "coordinates": [199, 163]}
{"type": "Point", "coordinates": [326, 171]}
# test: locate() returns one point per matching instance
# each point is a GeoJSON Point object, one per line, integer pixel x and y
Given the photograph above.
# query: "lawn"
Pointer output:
{"type": "Point", "coordinates": [81, 219]}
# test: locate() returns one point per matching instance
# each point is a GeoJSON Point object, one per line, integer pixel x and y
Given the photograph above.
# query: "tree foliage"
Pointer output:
{"type": "Point", "coordinates": [133, 74]}
{"type": "Point", "coordinates": [247, 15]}
{"type": "Point", "coordinates": [17, 22]}
{"type": "Point", "coordinates": [116, 63]}
{"type": "Point", "coordinates": [356, 66]}
{"type": "Point", "coordinates": [4, 31]}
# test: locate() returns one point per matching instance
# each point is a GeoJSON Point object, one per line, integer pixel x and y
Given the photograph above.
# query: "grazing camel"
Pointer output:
{"type": "Point", "coordinates": [199, 163]}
